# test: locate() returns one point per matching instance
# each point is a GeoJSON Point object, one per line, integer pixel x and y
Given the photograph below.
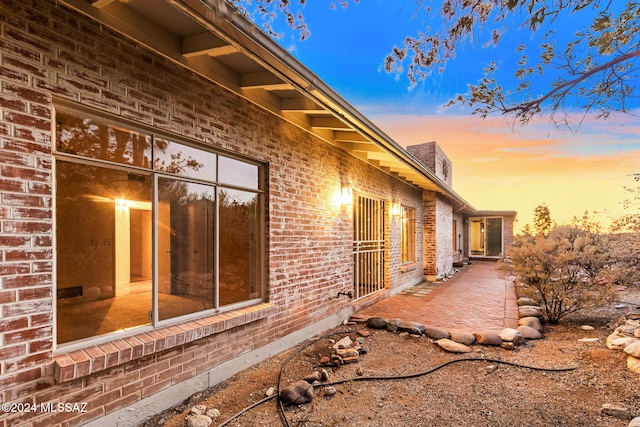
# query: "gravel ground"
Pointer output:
{"type": "Point", "coordinates": [466, 393]}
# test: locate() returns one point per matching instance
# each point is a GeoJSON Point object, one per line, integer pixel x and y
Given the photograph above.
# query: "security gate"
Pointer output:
{"type": "Point", "coordinates": [368, 246]}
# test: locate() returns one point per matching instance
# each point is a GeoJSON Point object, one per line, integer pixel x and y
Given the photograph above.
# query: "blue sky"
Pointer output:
{"type": "Point", "coordinates": [496, 165]}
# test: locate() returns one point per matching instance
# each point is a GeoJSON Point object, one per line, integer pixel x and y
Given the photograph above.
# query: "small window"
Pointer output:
{"type": "Point", "coordinates": [408, 238]}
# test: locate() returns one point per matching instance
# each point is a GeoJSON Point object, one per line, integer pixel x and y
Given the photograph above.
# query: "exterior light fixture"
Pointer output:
{"type": "Point", "coordinates": [395, 210]}
{"type": "Point", "coordinates": [346, 196]}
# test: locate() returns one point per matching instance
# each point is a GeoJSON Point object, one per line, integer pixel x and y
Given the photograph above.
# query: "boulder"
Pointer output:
{"type": "Point", "coordinates": [411, 327]}
{"type": "Point", "coordinates": [529, 311]}
{"type": "Point", "coordinates": [297, 393]}
{"type": "Point", "coordinates": [488, 338]}
{"type": "Point", "coordinates": [435, 333]}
{"type": "Point", "coordinates": [529, 333]}
{"type": "Point", "coordinates": [463, 337]}
{"type": "Point", "coordinates": [452, 346]}
{"type": "Point", "coordinates": [511, 335]}
{"type": "Point", "coordinates": [197, 421]}
{"type": "Point", "coordinates": [532, 322]}
{"type": "Point", "coordinates": [377, 322]}
{"type": "Point", "coordinates": [392, 325]}
{"type": "Point", "coordinates": [633, 364]}
{"type": "Point", "coordinates": [526, 301]}
{"type": "Point", "coordinates": [633, 349]}
{"type": "Point", "coordinates": [617, 410]}
{"type": "Point", "coordinates": [617, 342]}
{"type": "Point", "coordinates": [634, 422]}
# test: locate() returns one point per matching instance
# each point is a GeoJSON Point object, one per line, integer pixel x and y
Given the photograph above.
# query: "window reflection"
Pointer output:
{"type": "Point", "coordinates": [238, 173]}
{"type": "Point", "coordinates": [89, 137]}
{"type": "Point", "coordinates": [185, 247]}
{"type": "Point", "coordinates": [104, 251]}
{"type": "Point", "coordinates": [238, 246]}
{"type": "Point", "coordinates": [180, 159]}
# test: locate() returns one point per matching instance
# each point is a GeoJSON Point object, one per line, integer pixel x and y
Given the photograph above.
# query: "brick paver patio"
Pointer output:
{"type": "Point", "coordinates": [473, 300]}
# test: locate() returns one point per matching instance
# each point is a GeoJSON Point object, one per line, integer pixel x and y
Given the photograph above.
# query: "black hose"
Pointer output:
{"type": "Point", "coordinates": [281, 412]}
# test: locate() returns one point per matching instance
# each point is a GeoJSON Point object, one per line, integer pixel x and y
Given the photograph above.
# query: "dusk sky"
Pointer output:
{"type": "Point", "coordinates": [496, 165]}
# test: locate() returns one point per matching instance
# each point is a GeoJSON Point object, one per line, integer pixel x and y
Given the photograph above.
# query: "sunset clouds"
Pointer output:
{"type": "Point", "coordinates": [497, 166]}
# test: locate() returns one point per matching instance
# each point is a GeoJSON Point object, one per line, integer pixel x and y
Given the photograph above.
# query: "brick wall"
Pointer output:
{"type": "Point", "coordinates": [48, 51]}
{"type": "Point", "coordinates": [432, 156]}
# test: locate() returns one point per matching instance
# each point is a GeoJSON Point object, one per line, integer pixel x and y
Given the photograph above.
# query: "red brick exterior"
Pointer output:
{"type": "Point", "coordinates": [50, 52]}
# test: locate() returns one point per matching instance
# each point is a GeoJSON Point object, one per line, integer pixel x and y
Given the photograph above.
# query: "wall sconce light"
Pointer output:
{"type": "Point", "coordinates": [395, 210]}
{"type": "Point", "coordinates": [346, 196]}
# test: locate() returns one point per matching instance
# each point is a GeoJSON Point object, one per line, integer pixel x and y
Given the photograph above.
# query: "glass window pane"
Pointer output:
{"type": "Point", "coordinates": [494, 237]}
{"type": "Point", "coordinates": [186, 214]}
{"type": "Point", "coordinates": [103, 249]}
{"type": "Point", "coordinates": [239, 246]}
{"type": "Point", "coordinates": [238, 173]}
{"type": "Point", "coordinates": [179, 159]}
{"type": "Point", "coordinates": [92, 138]}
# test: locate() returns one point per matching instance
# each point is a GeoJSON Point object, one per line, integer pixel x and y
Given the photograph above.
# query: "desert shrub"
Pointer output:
{"type": "Point", "coordinates": [568, 269]}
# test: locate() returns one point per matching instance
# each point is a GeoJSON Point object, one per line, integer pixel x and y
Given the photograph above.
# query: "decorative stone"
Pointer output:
{"type": "Point", "coordinates": [633, 349]}
{"type": "Point", "coordinates": [393, 324]}
{"type": "Point", "coordinates": [463, 337]}
{"type": "Point", "coordinates": [617, 410]}
{"type": "Point", "coordinates": [364, 333]}
{"type": "Point", "coordinates": [508, 345]}
{"type": "Point", "coordinates": [634, 315]}
{"type": "Point", "coordinates": [377, 322]}
{"type": "Point", "coordinates": [270, 391]}
{"type": "Point", "coordinates": [526, 301]}
{"type": "Point", "coordinates": [452, 346]}
{"type": "Point", "coordinates": [347, 360]}
{"type": "Point", "coordinates": [329, 391]}
{"type": "Point", "coordinates": [335, 360]}
{"type": "Point", "coordinates": [587, 328]}
{"type": "Point", "coordinates": [435, 333]}
{"type": "Point", "coordinates": [198, 410]}
{"type": "Point", "coordinates": [633, 364]}
{"type": "Point", "coordinates": [616, 342]}
{"type": "Point", "coordinates": [634, 422]}
{"type": "Point", "coordinates": [529, 311]}
{"type": "Point", "coordinates": [197, 421]}
{"type": "Point", "coordinates": [297, 393]}
{"type": "Point", "coordinates": [532, 322]}
{"type": "Point", "coordinates": [413, 328]}
{"type": "Point", "coordinates": [589, 340]}
{"type": "Point", "coordinates": [214, 413]}
{"type": "Point", "coordinates": [347, 352]}
{"type": "Point", "coordinates": [311, 378]}
{"type": "Point", "coordinates": [511, 335]}
{"type": "Point", "coordinates": [324, 375]}
{"type": "Point", "coordinates": [345, 342]}
{"type": "Point", "coordinates": [488, 338]}
{"type": "Point", "coordinates": [529, 333]}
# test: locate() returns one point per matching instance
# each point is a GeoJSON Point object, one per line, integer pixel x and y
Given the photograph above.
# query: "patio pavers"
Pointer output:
{"type": "Point", "coordinates": [473, 300]}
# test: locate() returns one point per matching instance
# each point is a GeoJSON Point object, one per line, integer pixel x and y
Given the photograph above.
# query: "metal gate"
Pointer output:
{"type": "Point", "coordinates": [368, 246]}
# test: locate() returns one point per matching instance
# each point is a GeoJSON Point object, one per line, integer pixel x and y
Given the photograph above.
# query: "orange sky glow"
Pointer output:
{"type": "Point", "coordinates": [497, 166]}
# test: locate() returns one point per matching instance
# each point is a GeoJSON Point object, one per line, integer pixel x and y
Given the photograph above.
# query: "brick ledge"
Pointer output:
{"type": "Point", "coordinates": [80, 363]}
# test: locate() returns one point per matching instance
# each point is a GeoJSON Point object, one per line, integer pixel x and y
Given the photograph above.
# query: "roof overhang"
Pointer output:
{"type": "Point", "coordinates": [214, 40]}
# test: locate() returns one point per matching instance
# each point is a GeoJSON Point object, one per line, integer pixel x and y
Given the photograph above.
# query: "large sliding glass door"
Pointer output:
{"type": "Point", "coordinates": [486, 237]}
